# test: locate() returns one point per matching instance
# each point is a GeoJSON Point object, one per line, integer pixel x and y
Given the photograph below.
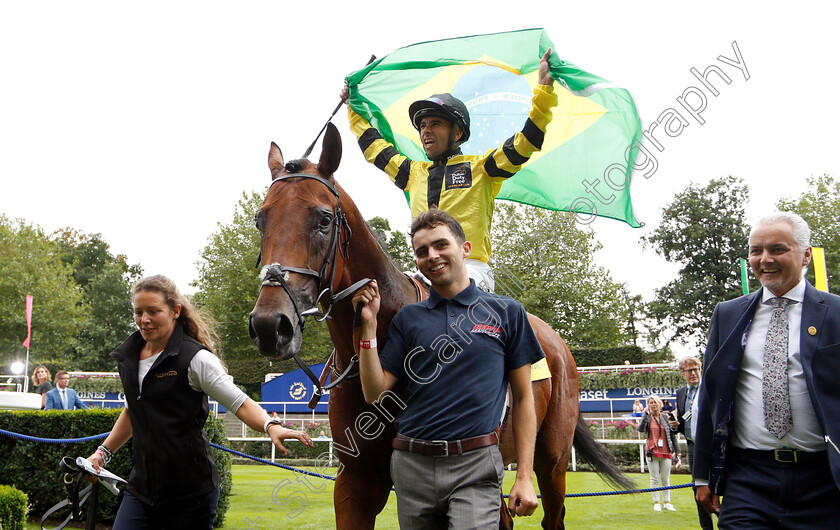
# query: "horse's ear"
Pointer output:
{"type": "Point", "coordinates": [330, 152]}
{"type": "Point", "coordinates": [275, 158]}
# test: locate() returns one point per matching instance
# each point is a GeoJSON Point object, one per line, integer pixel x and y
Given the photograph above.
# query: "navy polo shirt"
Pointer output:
{"type": "Point", "coordinates": [453, 357]}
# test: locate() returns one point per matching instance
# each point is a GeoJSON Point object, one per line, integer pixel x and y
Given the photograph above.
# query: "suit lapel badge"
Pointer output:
{"type": "Point", "coordinates": [812, 330]}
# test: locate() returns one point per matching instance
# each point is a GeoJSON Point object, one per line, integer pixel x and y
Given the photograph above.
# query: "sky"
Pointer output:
{"type": "Point", "coordinates": [146, 122]}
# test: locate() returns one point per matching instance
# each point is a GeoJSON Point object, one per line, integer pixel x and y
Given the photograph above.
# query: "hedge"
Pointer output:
{"type": "Point", "coordinates": [97, 383]}
{"type": "Point", "coordinates": [33, 466]}
{"type": "Point", "coordinates": [630, 378]}
{"type": "Point", "coordinates": [13, 508]}
{"type": "Point", "coordinates": [608, 356]}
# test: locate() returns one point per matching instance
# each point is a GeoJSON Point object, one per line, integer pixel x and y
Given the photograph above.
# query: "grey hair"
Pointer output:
{"type": "Point", "coordinates": [801, 230]}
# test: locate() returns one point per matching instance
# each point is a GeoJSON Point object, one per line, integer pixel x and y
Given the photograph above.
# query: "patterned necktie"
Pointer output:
{"type": "Point", "coordinates": [777, 417]}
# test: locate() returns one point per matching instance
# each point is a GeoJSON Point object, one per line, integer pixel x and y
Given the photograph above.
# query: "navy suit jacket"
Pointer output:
{"type": "Point", "coordinates": [820, 353]}
{"type": "Point", "coordinates": [682, 395]}
{"type": "Point", "coordinates": [54, 400]}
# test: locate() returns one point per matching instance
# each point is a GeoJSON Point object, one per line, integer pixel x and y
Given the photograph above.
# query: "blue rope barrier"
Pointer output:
{"type": "Point", "coordinates": [625, 492]}
{"type": "Point", "coordinates": [304, 471]}
{"type": "Point", "coordinates": [53, 440]}
{"type": "Point", "coordinates": [270, 463]}
{"type": "Point", "coordinates": [568, 495]}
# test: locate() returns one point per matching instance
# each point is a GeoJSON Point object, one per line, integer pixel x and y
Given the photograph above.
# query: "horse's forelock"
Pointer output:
{"type": "Point", "coordinates": [298, 165]}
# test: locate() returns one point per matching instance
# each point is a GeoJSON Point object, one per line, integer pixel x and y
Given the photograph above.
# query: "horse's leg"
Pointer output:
{"type": "Point", "coordinates": [553, 448]}
{"type": "Point", "coordinates": [505, 520]}
{"type": "Point", "coordinates": [550, 468]}
{"type": "Point", "coordinates": [358, 499]}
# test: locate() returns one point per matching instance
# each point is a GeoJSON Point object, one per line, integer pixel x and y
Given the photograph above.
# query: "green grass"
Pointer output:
{"type": "Point", "coordinates": [280, 500]}
{"type": "Point", "coordinates": [271, 498]}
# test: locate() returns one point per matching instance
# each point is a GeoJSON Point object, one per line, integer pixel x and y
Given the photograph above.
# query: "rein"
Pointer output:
{"type": "Point", "coordinates": [73, 478]}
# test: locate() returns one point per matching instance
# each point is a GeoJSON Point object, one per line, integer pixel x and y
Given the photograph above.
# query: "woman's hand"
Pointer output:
{"type": "Point", "coordinates": [278, 433]}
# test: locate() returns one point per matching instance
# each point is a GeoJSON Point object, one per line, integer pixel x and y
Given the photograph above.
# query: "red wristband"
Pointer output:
{"type": "Point", "coordinates": [367, 344]}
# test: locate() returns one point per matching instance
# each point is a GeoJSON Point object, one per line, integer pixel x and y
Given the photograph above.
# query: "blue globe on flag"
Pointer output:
{"type": "Point", "coordinates": [498, 102]}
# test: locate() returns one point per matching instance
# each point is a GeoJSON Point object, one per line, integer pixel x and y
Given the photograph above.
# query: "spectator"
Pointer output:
{"type": "Point", "coordinates": [638, 409]}
{"type": "Point", "coordinates": [61, 397]}
{"type": "Point", "coordinates": [659, 450]}
{"type": "Point", "coordinates": [666, 406]}
{"type": "Point", "coordinates": [686, 421]}
{"type": "Point", "coordinates": [41, 378]}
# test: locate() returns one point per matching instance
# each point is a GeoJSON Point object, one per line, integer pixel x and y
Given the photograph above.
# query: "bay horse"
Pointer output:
{"type": "Point", "coordinates": [314, 243]}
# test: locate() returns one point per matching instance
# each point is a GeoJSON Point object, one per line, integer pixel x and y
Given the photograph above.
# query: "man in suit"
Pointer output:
{"type": "Point", "coordinates": [685, 420]}
{"type": "Point", "coordinates": [61, 397]}
{"type": "Point", "coordinates": [768, 424]}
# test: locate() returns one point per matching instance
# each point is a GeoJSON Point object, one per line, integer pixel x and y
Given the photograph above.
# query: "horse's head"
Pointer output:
{"type": "Point", "coordinates": [302, 233]}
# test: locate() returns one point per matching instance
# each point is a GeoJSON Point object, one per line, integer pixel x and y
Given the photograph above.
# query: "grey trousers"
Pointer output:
{"type": "Point", "coordinates": [456, 492]}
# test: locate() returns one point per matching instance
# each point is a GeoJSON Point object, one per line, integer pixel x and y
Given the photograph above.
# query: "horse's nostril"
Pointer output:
{"type": "Point", "coordinates": [252, 331]}
{"type": "Point", "coordinates": [285, 330]}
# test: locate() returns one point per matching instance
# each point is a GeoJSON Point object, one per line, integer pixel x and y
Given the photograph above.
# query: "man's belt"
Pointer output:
{"type": "Point", "coordinates": [783, 456]}
{"type": "Point", "coordinates": [444, 447]}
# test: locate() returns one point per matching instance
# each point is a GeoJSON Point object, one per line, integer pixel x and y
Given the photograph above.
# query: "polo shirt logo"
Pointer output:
{"type": "Point", "coordinates": [458, 176]}
{"type": "Point", "coordinates": [170, 373]}
{"type": "Point", "coordinates": [493, 331]}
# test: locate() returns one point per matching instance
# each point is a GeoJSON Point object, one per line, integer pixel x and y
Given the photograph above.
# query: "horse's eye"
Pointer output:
{"type": "Point", "coordinates": [326, 221]}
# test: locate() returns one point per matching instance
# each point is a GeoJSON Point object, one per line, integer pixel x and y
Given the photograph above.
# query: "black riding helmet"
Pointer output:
{"type": "Point", "coordinates": [445, 106]}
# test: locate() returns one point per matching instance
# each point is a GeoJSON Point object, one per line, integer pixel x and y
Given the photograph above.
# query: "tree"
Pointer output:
{"type": "Point", "coordinates": [703, 229]}
{"type": "Point", "coordinates": [228, 286]}
{"type": "Point", "coordinates": [820, 207]}
{"type": "Point", "coordinates": [106, 282]}
{"type": "Point", "coordinates": [393, 242]}
{"type": "Point", "coordinates": [32, 264]}
{"type": "Point", "coordinates": [545, 261]}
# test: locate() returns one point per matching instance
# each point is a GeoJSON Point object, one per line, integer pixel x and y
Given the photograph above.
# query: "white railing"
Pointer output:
{"type": "Point", "coordinates": [8, 383]}
{"type": "Point", "coordinates": [640, 443]}
{"type": "Point", "coordinates": [274, 449]}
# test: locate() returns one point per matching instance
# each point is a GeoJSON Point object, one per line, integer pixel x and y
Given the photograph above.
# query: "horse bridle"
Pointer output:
{"type": "Point", "coordinates": [276, 274]}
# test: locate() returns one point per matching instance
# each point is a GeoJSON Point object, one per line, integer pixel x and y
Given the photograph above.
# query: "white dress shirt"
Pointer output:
{"type": "Point", "coordinates": [749, 431]}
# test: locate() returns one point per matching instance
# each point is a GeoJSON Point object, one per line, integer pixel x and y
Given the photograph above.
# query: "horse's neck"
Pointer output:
{"type": "Point", "coordinates": [366, 259]}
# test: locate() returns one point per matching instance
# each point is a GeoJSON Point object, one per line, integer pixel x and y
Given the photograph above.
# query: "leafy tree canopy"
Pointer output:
{"type": "Point", "coordinates": [545, 261]}
{"type": "Point", "coordinates": [33, 264]}
{"type": "Point", "coordinates": [703, 230]}
{"type": "Point", "coordinates": [820, 207]}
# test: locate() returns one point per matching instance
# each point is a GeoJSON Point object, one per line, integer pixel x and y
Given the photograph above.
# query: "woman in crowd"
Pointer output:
{"type": "Point", "coordinates": [638, 409]}
{"type": "Point", "coordinates": [660, 447]}
{"type": "Point", "coordinates": [41, 378]}
{"type": "Point", "coordinates": [168, 369]}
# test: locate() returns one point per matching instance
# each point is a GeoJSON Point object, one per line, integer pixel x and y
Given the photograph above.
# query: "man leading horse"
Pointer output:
{"type": "Point", "coordinates": [454, 354]}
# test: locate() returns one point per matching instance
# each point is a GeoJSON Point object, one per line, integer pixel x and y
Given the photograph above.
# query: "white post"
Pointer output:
{"type": "Point", "coordinates": [26, 372]}
{"type": "Point", "coordinates": [642, 457]}
{"type": "Point", "coordinates": [574, 459]}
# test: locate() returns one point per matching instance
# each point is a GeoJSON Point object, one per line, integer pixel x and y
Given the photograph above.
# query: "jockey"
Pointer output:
{"type": "Point", "coordinates": [465, 186]}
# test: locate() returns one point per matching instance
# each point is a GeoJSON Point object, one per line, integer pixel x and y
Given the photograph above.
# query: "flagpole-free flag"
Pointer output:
{"type": "Point", "coordinates": [28, 321]}
{"type": "Point", "coordinates": [591, 145]}
{"type": "Point", "coordinates": [820, 275]}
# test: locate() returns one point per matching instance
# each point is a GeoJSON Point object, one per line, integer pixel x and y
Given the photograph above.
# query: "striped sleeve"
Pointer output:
{"type": "Point", "coordinates": [379, 152]}
{"type": "Point", "coordinates": [506, 160]}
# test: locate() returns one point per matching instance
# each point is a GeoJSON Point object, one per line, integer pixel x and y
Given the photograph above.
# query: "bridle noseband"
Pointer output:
{"type": "Point", "coordinates": [276, 274]}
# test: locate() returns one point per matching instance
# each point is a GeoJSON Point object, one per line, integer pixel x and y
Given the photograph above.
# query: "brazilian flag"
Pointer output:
{"type": "Point", "coordinates": [590, 148]}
